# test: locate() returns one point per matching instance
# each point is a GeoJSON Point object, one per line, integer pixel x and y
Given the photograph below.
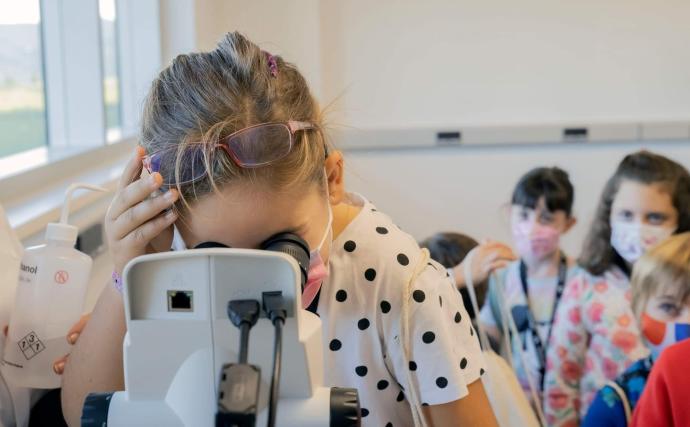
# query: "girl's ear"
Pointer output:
{"type": "Point", "coordinates": [334, 174]}
{"type": "Point", "coordinates": [570, 224]}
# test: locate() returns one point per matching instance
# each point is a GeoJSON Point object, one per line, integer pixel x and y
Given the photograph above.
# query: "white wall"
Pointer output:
{"type": "Point", "coordinates": [178, 30]}
{"type": "Point", "coordinates": [288, 28]}
{"type": "Point", "coordinates": [467, 189]}
{"type": "Point", "coordinates": [405, 63]}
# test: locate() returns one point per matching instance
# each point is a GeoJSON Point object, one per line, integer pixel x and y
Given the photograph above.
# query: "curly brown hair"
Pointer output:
{"type": "Point", "coordinates": [647, 168]}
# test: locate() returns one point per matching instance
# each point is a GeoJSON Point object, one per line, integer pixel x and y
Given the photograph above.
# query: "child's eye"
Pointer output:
{"type": "Point", "coordinates": [656, 218]}
{"type": "Point", "coordinates": [670, 309]}
{"type": "Point", "coordinates": [626, 215]}
{"type": "Point", "coordinates": [546, 218]}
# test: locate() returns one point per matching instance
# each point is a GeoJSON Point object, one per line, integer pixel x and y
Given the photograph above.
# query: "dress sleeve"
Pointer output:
{"type": "Point", "coordinates": [445, 356]}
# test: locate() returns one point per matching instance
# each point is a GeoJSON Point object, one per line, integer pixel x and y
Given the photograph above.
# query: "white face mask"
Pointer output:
{"type": "Point", "coordinates": [318, 269]}
{"type": "Point", "coordinates": [631, 239]}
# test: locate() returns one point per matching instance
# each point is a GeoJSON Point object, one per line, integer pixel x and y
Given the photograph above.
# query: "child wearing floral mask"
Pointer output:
{"type": "Point", "coordinates": [594, 338]}
{"type": "Point", "coordinates": [541, 212]}
{"type": "Point", "coordinates": [661, 302]}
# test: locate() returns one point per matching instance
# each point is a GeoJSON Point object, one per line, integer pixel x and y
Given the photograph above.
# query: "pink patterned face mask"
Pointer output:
{"type": "Point", "coordinates": [534, 240]}
{"type": "Point", "coordinates": [318, 270]}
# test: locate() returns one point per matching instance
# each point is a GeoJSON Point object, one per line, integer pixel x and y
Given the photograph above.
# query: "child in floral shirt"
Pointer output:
{"type": "Point", "coordinates": [661, 302]}
{"type": "Point", "coordinates": [595, 337]}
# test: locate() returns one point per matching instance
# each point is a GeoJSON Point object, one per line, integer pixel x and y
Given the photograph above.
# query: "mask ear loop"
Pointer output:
{"type": "Point", "coordinates": [328, 229]}
{"type": "Point", "coordinates": [330, 214]}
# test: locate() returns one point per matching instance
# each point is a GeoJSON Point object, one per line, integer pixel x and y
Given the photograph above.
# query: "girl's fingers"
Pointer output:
{"type": "Point", "coordinates": [133, 194]}
{"type": "Point", "coordinates": [497, 266]}
{"type": "Point", "coordinates": [132, 169]}
{"type": "Point", "coordinates": [141, 236]}
{"type": "Point", "coordinates": [142, 212]}
{"type": "Point", "coordinates": [59, 365]}
{"type": "Point", "coordinates": [163, 242]}
{"type": "Point", "coordinates": [75, 330]}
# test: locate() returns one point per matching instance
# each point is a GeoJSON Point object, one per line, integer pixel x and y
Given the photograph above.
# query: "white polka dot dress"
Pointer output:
{"type": "Point", "coordinates": [360, 306]}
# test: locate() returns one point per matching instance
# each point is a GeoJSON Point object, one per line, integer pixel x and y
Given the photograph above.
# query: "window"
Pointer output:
{"type": "Point", "coordinates": [111, 81]}
{"type": "Point", "coordinates": [22, 97]}
{"type": "Point", "coordinates": [73, 76]}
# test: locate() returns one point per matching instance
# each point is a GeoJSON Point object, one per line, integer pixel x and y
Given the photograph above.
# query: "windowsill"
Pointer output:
{"type": "Point", "coordinates": [29, 160]}
{"type": "Point", "coordinates": [34, 195]}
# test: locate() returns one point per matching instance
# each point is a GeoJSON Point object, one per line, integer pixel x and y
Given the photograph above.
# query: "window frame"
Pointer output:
{"type": "Point", "coordinates": [73, 80]}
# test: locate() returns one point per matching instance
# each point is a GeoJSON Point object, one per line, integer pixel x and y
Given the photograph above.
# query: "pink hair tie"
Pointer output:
{"type": "Point", "coordinates": [272, 64]}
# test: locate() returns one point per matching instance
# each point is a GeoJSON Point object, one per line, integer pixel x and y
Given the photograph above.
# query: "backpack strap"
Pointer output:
{"type": "Point", "coordinates": [624, 399]}
{"type": "Point", "coordinates": [494, 297]}
{"type": "Point", "coordinates": [405, 330]}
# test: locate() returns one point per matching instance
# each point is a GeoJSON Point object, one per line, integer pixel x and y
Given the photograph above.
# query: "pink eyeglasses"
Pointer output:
{"type": "Point", "coordinates": [252, 147]}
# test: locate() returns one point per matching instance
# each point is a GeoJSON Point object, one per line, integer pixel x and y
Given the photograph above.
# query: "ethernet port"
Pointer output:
{"type": "Point", "coordinates": [180, 301]}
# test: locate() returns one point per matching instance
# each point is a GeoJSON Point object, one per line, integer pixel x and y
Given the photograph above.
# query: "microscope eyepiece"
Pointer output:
{"type": "Point", "coordinates": [292, 245]}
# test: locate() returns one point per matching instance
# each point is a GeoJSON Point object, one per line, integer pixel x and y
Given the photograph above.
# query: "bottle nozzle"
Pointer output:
{"type": "Point", "coordinates": [68, 197]}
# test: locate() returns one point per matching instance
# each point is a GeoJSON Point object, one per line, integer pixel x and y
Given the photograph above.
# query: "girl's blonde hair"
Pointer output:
{"type": "Point", "coordinates": [203, 97]}
{"type": "Point", "coordinates": [665, 268]}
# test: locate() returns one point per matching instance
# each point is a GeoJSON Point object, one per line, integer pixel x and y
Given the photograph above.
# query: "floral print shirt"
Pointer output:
{"type": "Point", "coordinates": [594, 339]}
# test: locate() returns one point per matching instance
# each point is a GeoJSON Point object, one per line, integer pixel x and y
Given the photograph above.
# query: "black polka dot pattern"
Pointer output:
{"type": "Point", "coordinates": [365, 305]}
{"type": "Point", "coordinates": [385, 306]}
{"type": "Point", "coordinates": [463, 363]}
{"type": "Point", "coordinates": [481, 371]}
{"type": "Point", "coordinates": [335, 345]}
{"type": "Point", "coordinates": [350, 246]}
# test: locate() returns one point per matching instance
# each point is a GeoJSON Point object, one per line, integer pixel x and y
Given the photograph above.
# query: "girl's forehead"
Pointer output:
{"type": "Point", "coordinates": [637, 194]}
{"type": "Point", "coordinates": [245, 218]}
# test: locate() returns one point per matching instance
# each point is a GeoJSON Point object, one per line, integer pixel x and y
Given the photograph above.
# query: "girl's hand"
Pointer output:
{"type": "Point", "coordinates": [134, 224]}
{"type": "Point", "coordinates": [72, 337]}
{"type": "Point", "coordinates": [488, 257]}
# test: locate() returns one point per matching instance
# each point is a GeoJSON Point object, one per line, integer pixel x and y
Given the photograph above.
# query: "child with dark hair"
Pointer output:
{"type": "Point", "coordinates": [541, 212]}
{"type": "Point", "coordinates": [594, 338]}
